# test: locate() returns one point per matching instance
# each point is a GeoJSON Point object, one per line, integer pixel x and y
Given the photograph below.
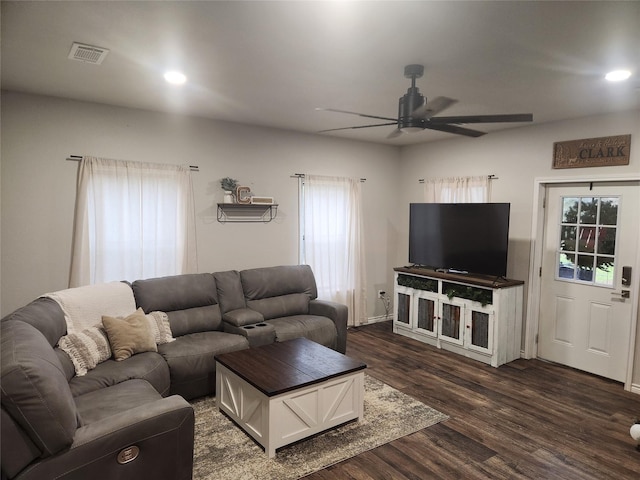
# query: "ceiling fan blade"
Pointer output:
{"type": "Point", "coordinates": [359, 126]}
{"type": "Point", "coordinates": [433, 107]}
{"type": "Point", "coordinates": [516, 117]}
{"type": "Point", "coordinates": [454, 129]}
{"type": "Point", "coordinates": [355, 113]}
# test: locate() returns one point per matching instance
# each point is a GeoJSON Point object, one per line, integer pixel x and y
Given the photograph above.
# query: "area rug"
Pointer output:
{"type": "Point", "coordinates": [223, 451]}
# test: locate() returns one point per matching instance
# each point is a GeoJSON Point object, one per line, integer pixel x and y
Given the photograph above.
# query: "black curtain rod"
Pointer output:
{"type": "Point", "coordinates": [77, 158]}
{"type": "Point", "coordinates": [301, 175]}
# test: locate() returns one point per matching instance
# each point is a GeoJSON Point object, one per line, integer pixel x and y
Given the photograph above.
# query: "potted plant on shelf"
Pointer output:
{"type": "Point", "coordinates": [229, 185]}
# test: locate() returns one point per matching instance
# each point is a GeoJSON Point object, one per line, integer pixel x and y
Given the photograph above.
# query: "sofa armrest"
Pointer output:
{"type": "Point", "coordinates": [336, 312]}
{"type": "Point", "coordinates": [242, 316]}
{"type": "Point", "coordinates": [163, 431]}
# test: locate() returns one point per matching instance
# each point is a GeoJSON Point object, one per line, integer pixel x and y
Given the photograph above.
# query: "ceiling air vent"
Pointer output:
{"type": "Point", "coordinates": [87, 53]}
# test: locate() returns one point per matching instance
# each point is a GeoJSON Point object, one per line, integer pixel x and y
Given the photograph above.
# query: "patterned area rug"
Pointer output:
{"type": "Point", "coordinates": [223, 451]}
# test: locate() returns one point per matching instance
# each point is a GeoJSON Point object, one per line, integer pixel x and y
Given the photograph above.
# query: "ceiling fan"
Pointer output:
{"type": "Point", "coordinates": [416, 114]}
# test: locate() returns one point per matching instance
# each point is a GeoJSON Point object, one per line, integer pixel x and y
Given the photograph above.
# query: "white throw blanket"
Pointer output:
{"type": "Point", "coordinates": [84, 307]}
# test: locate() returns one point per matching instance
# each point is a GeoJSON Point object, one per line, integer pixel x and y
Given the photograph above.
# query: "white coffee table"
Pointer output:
{"type": "Point", "coordinates": [284, 392]}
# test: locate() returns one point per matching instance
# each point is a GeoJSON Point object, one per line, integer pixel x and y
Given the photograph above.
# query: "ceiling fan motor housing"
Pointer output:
{"type": "Point", "coordinates": [407, 104]}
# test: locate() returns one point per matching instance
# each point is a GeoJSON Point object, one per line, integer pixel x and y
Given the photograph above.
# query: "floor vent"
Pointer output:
{"type": "Point", "coordinates": [87, 53]}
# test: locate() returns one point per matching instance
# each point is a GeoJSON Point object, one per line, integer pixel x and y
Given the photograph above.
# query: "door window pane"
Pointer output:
{"type": "Point", "coordinates": [568, 238]}
{"type": "Point", "coordinates": [585, 267]}
{"type": "Point", "coordinates": [588, 210]}
{"type": "Point", "coordinates": [609, 211]}
{"type": "Point", "coordinates": [566, 266]}
{"type": "Point", "coordinates": [587, 243]}
{"type": "Point", "coordinates": [604, 270]}
{"type": "Point", "coordinates": [606, 240]}
{"type": "Point", "coordinates": [570, 210]}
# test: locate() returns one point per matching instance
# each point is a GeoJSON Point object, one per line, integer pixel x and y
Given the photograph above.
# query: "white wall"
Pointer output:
{"type": "Point", "coordinates": [517, 157]}
{"type": "Point", "coordinates": [38, 186]}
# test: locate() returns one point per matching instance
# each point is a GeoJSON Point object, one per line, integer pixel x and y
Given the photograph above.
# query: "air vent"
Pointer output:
{"type": "Point", "coordinates": [87, 53]}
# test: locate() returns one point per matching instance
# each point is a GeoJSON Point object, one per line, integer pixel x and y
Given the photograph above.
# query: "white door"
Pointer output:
{"type": "Point", "coordinates": [591, 233]}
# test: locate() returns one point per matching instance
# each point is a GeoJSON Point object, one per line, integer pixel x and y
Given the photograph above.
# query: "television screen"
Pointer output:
{"type": "Point", "coordinates": [462, 237]}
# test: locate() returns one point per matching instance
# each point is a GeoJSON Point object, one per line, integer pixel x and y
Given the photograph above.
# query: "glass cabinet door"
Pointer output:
{"type": "Point", "coordinates": [452, 322]}
{"type": "Point", "coordinates": [480, 331]}
{"type": "Point", "coordinates": [403, 308]}
{"type": "Point", "coordinates": [425, 310]}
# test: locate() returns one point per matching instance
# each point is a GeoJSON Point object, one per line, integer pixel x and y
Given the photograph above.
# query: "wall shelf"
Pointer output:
{"type": "Point", "coordinates": [246, 213]}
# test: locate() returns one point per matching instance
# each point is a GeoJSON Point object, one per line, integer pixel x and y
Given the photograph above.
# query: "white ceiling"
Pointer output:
{"type": "Point", "coordinates": [272, 63]}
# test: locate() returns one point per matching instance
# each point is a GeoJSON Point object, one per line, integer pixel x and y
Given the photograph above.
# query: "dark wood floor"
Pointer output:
{"type": "Point", "coordinates": [526, 419]}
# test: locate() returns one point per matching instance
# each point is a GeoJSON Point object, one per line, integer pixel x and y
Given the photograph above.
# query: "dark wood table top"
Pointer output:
{"type": "Point", "coordinates": [284, 366]}
{"type": "Point", "coordinates": [490, 281]}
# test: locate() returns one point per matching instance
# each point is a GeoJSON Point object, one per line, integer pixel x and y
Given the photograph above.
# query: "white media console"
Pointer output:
{"type": "Point", "coordinates": [479, 317]}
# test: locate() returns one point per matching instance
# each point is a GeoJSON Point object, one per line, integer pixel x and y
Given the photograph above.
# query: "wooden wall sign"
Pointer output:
{"type": "Point", "coordinates": [592, 152]}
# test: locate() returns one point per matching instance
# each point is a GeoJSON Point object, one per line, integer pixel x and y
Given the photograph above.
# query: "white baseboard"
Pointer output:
{"type": "Point", "coordinates": [379, 318]}
{"type": "Point", "coordinates": [635, 388]}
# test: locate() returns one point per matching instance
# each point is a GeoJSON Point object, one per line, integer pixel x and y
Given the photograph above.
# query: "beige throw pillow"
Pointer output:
{"type": "Point", "coordinates": [129, 335]}
{"type": "Point", "coordinates": [86, 348]}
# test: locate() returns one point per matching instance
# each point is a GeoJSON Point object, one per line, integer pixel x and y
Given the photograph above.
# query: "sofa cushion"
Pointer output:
{"type": "Point", "coordinates": [266, 282]}
{"type": "Point", "coordinates": [35, 391]}
{"type": "Point", "coordinates": [103, 403]}
{"type": "Point", "coordinates": [195, 320]}
{"type": "Point", "coordinates": [67, 364]}
{"type": "Point", "coordinates": [148, 366]}
{"type": "Point", "coordinates": [175, 292]}
{"type": "Point", "coordinates": [86, 349]}
{"type": "Point", "coordinates": [230, 294]}
{"type": "Point", "coordinates": [16, 448]}
{"type": "Point", "coordinates": [46, 315]}
{"type": "Point", "coordinates": [242, 316]}
{"type": "Point", "coordinates": [281, 306]}
{"type": "Point", "coordinates": [321, 330]}
{"type": "Point", "coordinates": [191, 360]}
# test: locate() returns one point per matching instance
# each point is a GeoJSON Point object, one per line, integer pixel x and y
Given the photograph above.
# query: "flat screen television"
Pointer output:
{"type": "Point", "coordinates": [460, 237]}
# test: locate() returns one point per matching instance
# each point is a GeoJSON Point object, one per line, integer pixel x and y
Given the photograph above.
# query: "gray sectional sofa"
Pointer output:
{"type": "Point", "coordinates": [130, 419]}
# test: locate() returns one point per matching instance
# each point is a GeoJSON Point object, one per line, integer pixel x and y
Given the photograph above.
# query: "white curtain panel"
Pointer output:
{"type": "Point", "coordinates": [457, 190]}
{"type": "Point", "coordinates": [333, 241]}
{"type": "Point", "coordinates": [133, 220]}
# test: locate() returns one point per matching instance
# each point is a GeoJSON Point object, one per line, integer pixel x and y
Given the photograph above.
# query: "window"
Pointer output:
{"type": "Point", "coordinates": [587, 243]}
{"type": "Point", "coordinates": [458, 190]}
{"type": "Point", "coordinates": [133, 220]}
{"type": "Point", "coordinates": [331, 240]}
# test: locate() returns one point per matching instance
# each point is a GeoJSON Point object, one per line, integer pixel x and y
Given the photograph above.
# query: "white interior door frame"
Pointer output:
{"type": "Point", "coordinates": [535, 263]}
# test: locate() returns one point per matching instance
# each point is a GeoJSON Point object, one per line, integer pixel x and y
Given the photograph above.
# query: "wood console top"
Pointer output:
{"type": "Point", "coordinates": [479, 280]}
{"type": "Point", "coordinates": [284, 366]}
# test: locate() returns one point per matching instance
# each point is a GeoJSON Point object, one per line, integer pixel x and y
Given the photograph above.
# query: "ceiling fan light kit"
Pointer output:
{"type": "Point", "coordinates": [415, 113]}
{"type": "Point", "coordinates": [618, 75]}
{"type": "Point", "coordinates": [175, 78]}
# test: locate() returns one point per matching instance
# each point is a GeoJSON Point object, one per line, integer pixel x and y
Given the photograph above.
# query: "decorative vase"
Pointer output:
{"type": "Point", "coordinates": [228, 197]}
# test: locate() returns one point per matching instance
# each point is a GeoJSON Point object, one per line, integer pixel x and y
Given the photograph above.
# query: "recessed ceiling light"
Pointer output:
{"type": "Point", "coordinates": [618, 75]}
{"type": "Point", "coordinates": [175, 78]}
